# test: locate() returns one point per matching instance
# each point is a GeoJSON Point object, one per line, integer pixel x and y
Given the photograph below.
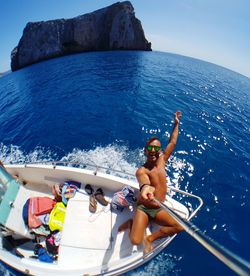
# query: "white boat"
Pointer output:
{"type": "Point", "coordinates": [90, 242]}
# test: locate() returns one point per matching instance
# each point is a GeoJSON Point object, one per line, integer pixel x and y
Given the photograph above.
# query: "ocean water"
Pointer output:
{"type": "Point", "coordinates": [102, 106]}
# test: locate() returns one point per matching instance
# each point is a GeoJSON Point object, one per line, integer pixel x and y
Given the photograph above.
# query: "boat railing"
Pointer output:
{"type": "Point", "coordinates": [124, 174]}
{"type": "Point", "coordinates": [97, 168]}
{"type": "Point", "coordinates": [80, 165]}
{"type": "Point", "coordinates": [199, 199]}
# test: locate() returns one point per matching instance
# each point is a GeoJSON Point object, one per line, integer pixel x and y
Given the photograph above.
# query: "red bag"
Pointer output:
{"type": "Point", "coordinates": [39, 206]}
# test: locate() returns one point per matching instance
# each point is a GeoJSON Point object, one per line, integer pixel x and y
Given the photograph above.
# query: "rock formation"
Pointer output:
{"type": "Point", "coordinates": [112, 28]}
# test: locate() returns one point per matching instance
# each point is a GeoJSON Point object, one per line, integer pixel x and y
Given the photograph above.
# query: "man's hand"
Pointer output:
{"type": "Point", "coordinates": [177, 117]}
{"type": "Point", "coordinates": [147, 192]}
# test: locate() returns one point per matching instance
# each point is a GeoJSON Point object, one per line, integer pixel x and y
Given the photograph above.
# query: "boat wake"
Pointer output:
{"type": "Point", "coordinates": [113, 156]}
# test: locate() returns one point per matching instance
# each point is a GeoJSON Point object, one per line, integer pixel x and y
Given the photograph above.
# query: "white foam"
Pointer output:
{"type": "Point", "coordinates": [14, 154]}
{"type": "Point", "coordinates": [216, 199]}
{"type": "Point", "coordinates": [113, 156]}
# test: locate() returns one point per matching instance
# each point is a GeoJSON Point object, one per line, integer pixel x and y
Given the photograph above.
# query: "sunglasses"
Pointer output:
{"type": "Point", "coordinates": [156, 148]}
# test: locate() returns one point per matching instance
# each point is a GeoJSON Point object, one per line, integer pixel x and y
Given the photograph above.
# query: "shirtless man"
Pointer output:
{"type": "Point", "coordinates": [152, 180]}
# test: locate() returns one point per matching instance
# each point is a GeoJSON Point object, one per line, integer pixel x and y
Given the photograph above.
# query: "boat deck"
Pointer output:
{"type": "Point", "coordinates": [88, 234]}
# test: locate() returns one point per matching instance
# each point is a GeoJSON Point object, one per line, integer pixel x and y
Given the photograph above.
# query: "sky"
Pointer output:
{"type": "Point", "coordinates": [216, 31]}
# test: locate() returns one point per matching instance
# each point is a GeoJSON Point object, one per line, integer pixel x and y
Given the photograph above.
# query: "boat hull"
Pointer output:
{"type": "Point", "coordinates": [90, 243]}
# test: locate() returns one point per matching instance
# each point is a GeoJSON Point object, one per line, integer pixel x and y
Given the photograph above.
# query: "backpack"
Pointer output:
{"type": "Point", "coordinates": [69, 189]}
{"type": "Point", "coordinates": [123, 198]}
{"type": "Point", "coordinates": [57, 217]}
{"type": "Point", "coordinates": [53, 241]}
{"type": "Point", "coordinates": [37, 206]}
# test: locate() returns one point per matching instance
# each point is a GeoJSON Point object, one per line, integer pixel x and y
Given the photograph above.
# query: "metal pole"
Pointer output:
{"type": "Point", "coordinates": [234, 262]}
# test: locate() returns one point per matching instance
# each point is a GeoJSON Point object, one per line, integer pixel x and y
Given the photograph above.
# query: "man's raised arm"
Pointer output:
{"type": "Point", "coordinates": [173, 137]}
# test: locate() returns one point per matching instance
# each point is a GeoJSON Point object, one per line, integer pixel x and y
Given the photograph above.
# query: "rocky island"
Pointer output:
{"type": "Point", "coordinates": [112, 28]}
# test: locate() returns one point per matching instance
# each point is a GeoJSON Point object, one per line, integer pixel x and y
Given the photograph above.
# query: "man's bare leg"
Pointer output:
{"type": "Point", "coordinates": [137, 228]}
{"type": "Point", "coordinates": [147, 244]}
{"type": "Point", "coordinates": [170, 227]}
{"type": "Point", "coordinates": [126, 225]}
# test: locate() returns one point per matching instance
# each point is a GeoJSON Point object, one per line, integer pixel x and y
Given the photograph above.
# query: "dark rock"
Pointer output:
{"type": "Point", "coordinates": [112, 28]}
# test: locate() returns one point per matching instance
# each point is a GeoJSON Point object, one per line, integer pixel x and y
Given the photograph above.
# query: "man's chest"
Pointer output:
{"type": "Point", "coordinates": [156, 174]}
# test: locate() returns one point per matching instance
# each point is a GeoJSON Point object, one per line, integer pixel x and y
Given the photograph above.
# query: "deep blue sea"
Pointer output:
{"type": "Point", "coordinates": [102, 106]}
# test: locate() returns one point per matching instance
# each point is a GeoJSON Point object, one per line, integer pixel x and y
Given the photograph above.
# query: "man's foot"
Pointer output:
{"type": "Point", "coordinates": [126, 225]}
{"type": "Point", "coordinates": [147, 245]}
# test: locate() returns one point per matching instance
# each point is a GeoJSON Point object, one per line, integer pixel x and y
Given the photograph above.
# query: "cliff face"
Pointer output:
{"type": "Point", "coordinates": [112, 28]}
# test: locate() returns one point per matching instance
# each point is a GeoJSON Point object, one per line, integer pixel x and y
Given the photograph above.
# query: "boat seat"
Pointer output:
{"type": "Point", "coordinates": [15, 221]}
{"type": "Point", "coordinates": [84, 230]}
